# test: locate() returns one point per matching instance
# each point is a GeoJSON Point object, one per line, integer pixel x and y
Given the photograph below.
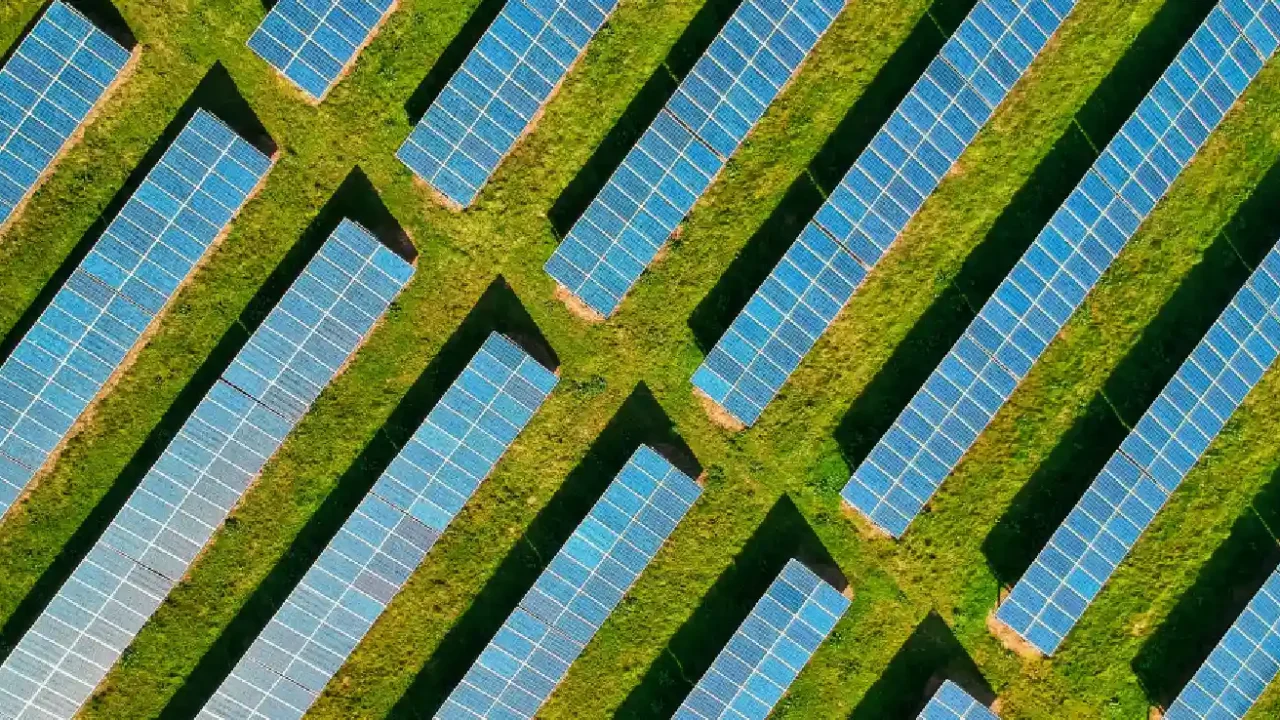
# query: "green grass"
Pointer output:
{"type": "Point", "coordinates": [921, 604]}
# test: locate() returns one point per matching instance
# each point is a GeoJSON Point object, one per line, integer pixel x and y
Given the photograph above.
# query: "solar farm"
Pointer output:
{"type": "Point", "coordinates": [704, 359]}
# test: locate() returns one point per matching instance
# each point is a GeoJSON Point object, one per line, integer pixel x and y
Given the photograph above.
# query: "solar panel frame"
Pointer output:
{"type": "Point", "coordinates": [571, 599]}
{"type": "Point", "coordinates": [313, 43]}
{"type": "Point", "coordinates": [386, 538]}
{"type": "Point", "coordinates": [862, 218]}
{"type": "Point", "coordinates": [951, 702]}
{"type": "Point", "coordinates": [1051, 280]}
{"type": "Point", "coordinates": [51, 84]}
{"type": "Point", "coordinates": [746, 67]}
{"type": "Point", "coordinates": [777, 639]}
{"type": "Point", "coordinates": [495, 96]}
{"type": "Point", "coordinates": [105, 309]}
{"type": "Point", "coordinates": [1150, 463]}
{"type": "Point", "coordinates": [202, 473]}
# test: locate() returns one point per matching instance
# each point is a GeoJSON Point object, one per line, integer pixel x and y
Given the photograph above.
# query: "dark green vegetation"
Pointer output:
{"type": "Point", "coordinates": [921, 604]}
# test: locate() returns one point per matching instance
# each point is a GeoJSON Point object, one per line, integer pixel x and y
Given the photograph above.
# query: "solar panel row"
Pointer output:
{"type": "Point", "coordinates": [716, 105]}
{"type": "Point", "coordinates": [1051, 280]}
{"type": "Point", "coordinates": [312, 42]}
{"type": "Point", "coordinates": [767, 652]}
{"type": "Point", "coordinates": [98, 317]}
{"type": "Point", "coordinates": [953, 703]}
{"type": "Point", "coordinates": [1162, 448]}
{"type": "Point", "coordinates": [48, 86]}
{"type": "Point", "coordinates": [201, 475]}
{"type": "Point", "coordinates": [376, 550]}
{"type": "Point", "coordinates": [1241, 666]}
{"type": "Point", "coordinates": [571, 599]}
{"type": "Point", "coordinates": [501, 87]}
{"type": "Point", "coordinates": [887, 185]}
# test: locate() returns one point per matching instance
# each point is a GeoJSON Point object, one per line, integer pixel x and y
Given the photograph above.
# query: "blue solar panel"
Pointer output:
{"type": "Point", "coordinates": [312, 42]}
{"type": "Point", "coordinates": [756, 53]}
{"type": "Point", "coordinates": [202, 474]}
{"type": "Point", "coordinates": [493, 98]}
{"type": "Point", "coordinates": [387, 536]}
{"type": "Point", "coordinates": [98, 317]}
{"type": "Point", "coordinates": [1151, 462]}
{"type": "Point", "coordinates": [953, 703]}
{"type": "Point", "coordinates": [47, 88]}
{"type": "Point", "coordinates": [1240, 667]}
{"type": "Point", "coordinates": [886, 186]}
{"type": "Point", "coordinates": [1051, 280]}
{"type": "Point", "coordinates": [571, 599]}
{"type": "Point", "coordinates": [764, 656]}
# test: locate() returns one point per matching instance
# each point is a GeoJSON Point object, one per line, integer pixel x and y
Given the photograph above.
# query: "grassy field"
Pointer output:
{"type": "Point", "coordinates": [921, 604]}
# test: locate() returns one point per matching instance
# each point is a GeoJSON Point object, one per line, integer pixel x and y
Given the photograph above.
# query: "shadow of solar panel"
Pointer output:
{"type": "Point", "coordinates": [491, 100]}
{"type": "Point", "coordinates": [48, 87]}
{"type": "Point", "coordinates": [887, 185]}
{"type": "Point", "coordinates": [757, 52]}
{"type": "Point", "coordinates": [385, 539]}
{"type": "Point", "coordinates": [953, 703]}
{"type": "Point", "coordinates": [1051, 280]}
{"type": "Point", "coordinates": [200, 476]}
{"type": "Point", "coordinates": [769, 649]}
{"type": "Point", "coordinates": [1149, 465]}
{"type": "Point", "coordinates": [1239, 669]}
{"type": "Point", "coordinates": [313, 42]}
{"type": "Point", "coordinates": [99, 316]}
{"type": "Point", "coordinates": [574, 595]}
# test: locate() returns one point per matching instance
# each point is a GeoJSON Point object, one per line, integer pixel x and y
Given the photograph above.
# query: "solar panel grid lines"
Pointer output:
{"type": "Point", "coordinates": [312, 43]}
{"type": "Point", "coordinates": [766, 653]}
{"type": "Point", "coordinates": [496, 95]}
{"type": "Point", "coordinates": [951, 702]}
{"type": "Point", "coordinates": [49, 86]}
{"type": "Point", "coordinates": [1240, 667]}
{"type": "Point", "coordinates": [201, 475]}
{"type": "Point", "coordinates": [1051, 280]}
{"type": "Point", "coordinates": [571, 599]}
{"type": "Point", "coordinates": [386, 538]}
{"type": "Point", "coordinates": [1150, 463]}
{"type": "Point", "coordinates": [888, 183]}
{"type": "Point", "coordinates": [104, 310]}
{"type": "Point", "coordinates": [759, 50]}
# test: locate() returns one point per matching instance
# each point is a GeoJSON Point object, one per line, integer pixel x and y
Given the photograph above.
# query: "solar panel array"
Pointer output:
{"type": "Point", "coordinates": [714, 108]}
{"type": "Point", "coordinates": [132, 271]}
{"type": "Point", "coordinates": [951, 702]}
{"type": "Point", "coordinates": [1240, 667]}
{"type": "Point", "coordinates": [1151, 462]}
{"type": "Point", "coordinates": [767, 652]}
{"type": "Point", "coordinates": [312, 42]}
{"type": "Point", "coordinates": [201, 475]}
{"type": "Point", "coordinates": [571, 599]}
{"type": "Point", "coordinates": [1051, 280]}
{"type": "Point", "coordinates": [887, 185]}
{"type": "Point", "coordinates": [47, 89]}
{"type": "Point", "coordinates": [500, 88]}
{"type": "Point", "coordinates": [385, 539]}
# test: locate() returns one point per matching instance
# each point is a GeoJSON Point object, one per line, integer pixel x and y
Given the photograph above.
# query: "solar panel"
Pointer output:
{"type": "Point", "coordinates": [953, 703]}
{"type": "Point", "coordinates": [205, 470]}
{"type": "Point", "coordinates": [764, 656]}
{"type": "Point", "coordinates": [493, 98]}
{"type": "Point", "coordinates": [571, 599]}
{"type": "Point", "coordinates": [49, 85]}
{"type": "Point", "coordinates": [757, 52]}
{"type": "Point", "coordinates": [132, 271]}
{"type": "Point", "coordinates": [313, 42]}
{"type": "Point", "coordinates": [1240, 667]}
{"type": "Point", "coordinates": [1150, 463]}
{"type": "Point", "coordinates": [1051, 280]}
{"type": "Point", "coordinates": [385, 539]}
{"type": "Point", "coordinates": [888, 183]}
